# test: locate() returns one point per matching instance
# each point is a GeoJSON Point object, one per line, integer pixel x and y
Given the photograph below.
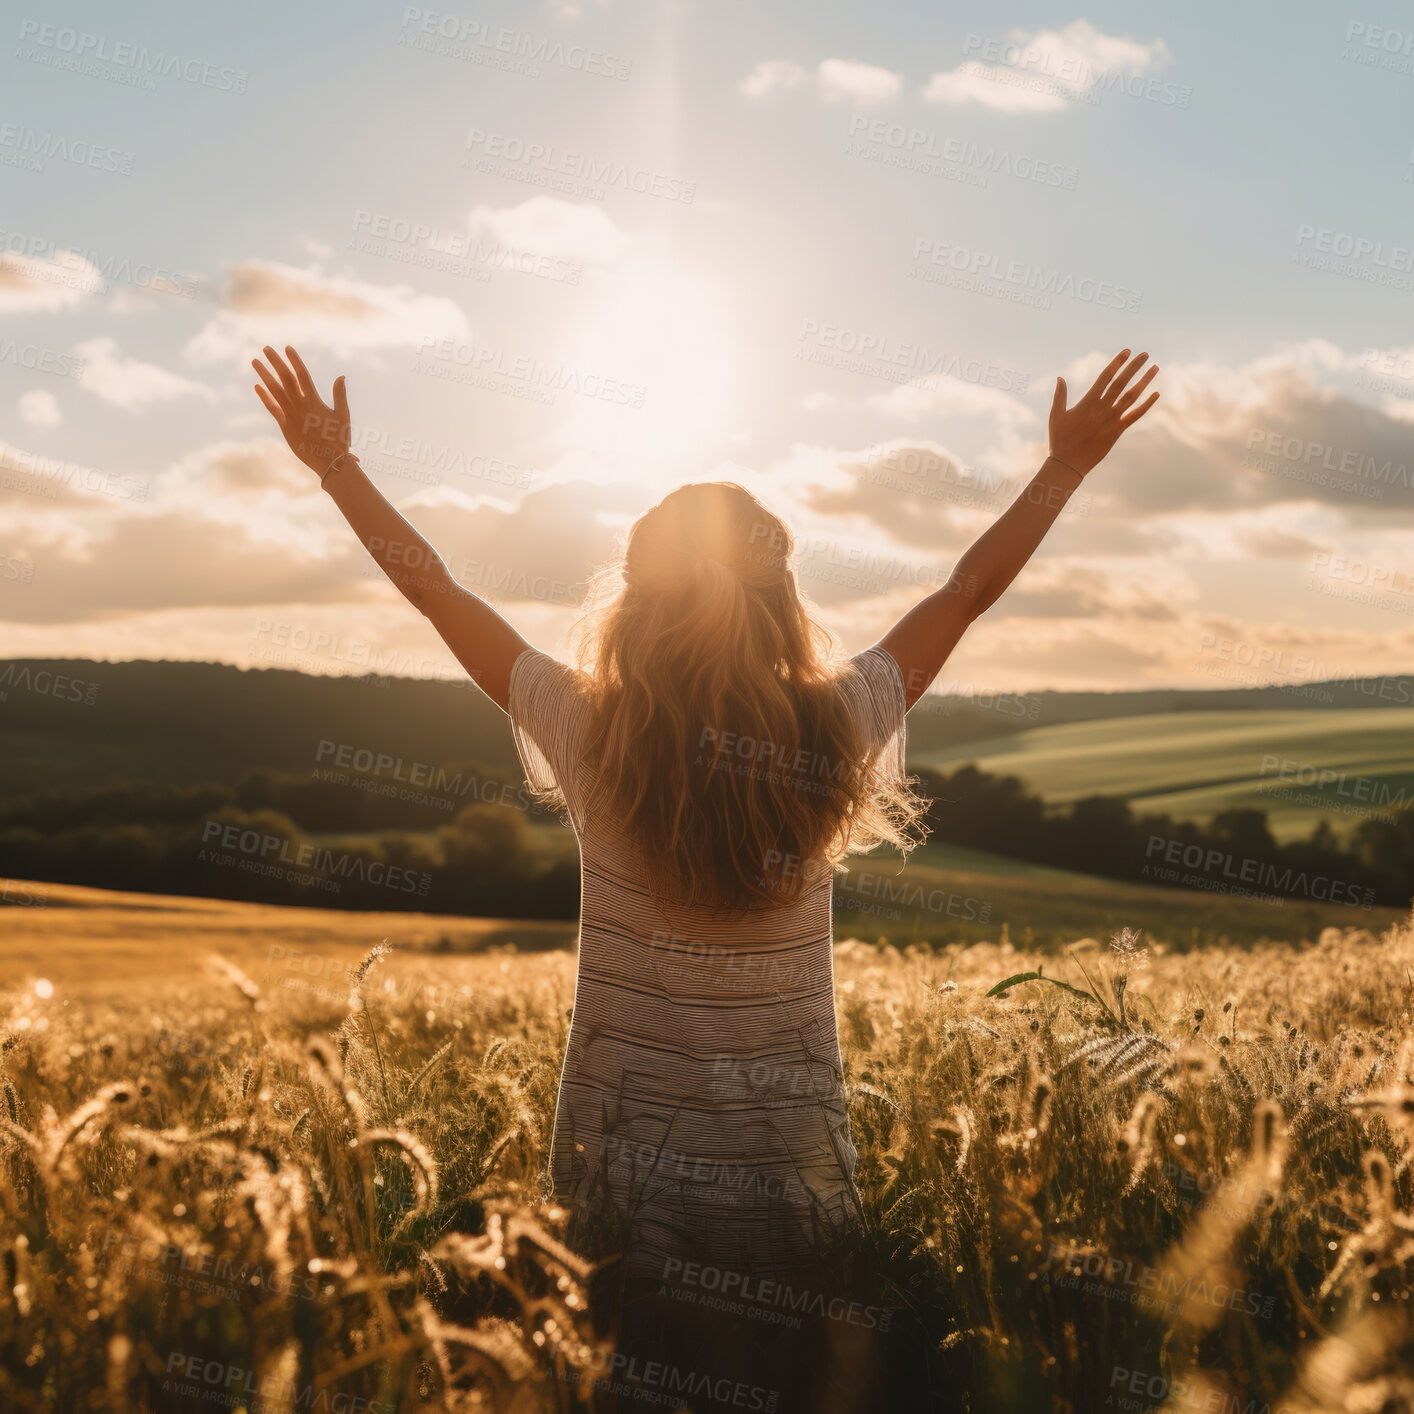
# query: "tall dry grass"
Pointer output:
{"type": "Point", "coordinates": [1134, 1181]}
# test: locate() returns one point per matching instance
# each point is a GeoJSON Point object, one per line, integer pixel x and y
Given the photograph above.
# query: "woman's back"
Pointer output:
{"type": "Point", "coordinates": [700, 1116]}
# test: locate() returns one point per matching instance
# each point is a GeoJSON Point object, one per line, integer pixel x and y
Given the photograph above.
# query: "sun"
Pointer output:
{"type": "Point", "coordinates": [656, 354]}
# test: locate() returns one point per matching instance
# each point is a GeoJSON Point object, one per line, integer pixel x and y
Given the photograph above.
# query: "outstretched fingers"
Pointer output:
{"type": "Point", "coordinates": [1132, 396]}
{"type": "Point", "coordinates": [288, 381]}
{"type": "Point", "coordinates": [1097, 388]}
{"type": "Point", "coordinates": [306, 383]}
{"type": "Point", "coordinates": [273, 384]}
{"type": "Point", "coordinates": [1130, 418]}
{"type": "Point", "coordinates": [1130, 369]}
{"type": "Point", "coordinates": [271, 406]}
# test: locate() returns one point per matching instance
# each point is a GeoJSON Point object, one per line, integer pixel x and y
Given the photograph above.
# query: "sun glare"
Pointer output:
{"type": "Point", "coordinates": [663, 336]}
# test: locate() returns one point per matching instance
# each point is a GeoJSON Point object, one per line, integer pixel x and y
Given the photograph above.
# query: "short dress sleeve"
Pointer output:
{"type": "Point", "coordinates": [873, 683]}
{"type": "Point", "coordinates": [549, 715]}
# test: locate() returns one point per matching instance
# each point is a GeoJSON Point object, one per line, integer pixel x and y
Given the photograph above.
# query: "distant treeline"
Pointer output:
{"type": "Point", "coordinates": [461, 840]}
{"type": "Point", "coordinates": [455, 840]}
{"type": "Point", "coordinates": [1234, 853]}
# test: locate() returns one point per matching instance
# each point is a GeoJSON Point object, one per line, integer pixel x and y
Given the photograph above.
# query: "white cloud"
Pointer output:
{"type": "Point", "coordinates": [835, 81]}
{"type": "Point", "coordinates": [40, 408]}
{"type": "Point", "coordinates": [1041, 71]}
{"type": "Point", "coordinates": [942, 397]}
{"type": "Point", "coordinates": [548, 226]}
{"type": "Point", "coordinates": [865, 85]}
{"type": "Point", "coordinates": [30, 285]}
{"type": "Point", "coordinates": [267, 302]}
{"type": "Point", "coordinates": [771, 76]}
{"type": "Point", "coordinates": [130, 383]}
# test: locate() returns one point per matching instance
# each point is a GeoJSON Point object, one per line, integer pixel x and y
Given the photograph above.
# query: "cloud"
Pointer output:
{"type": "Point", "coordinates": [30, 285]}
{"type": "Point", "coordinates": [40, 408]}
{"type": "Point", "coordinates": [771, 76]}
{"type": "Point", "coordinates": [249, 468]}
{"type": "Point", "coordinates": [943, 397]}
{"type": "Point", "coordinates": [864, 85]}
{"type": "Point", "coordinates": [267, 302]}
{"type": "Point", "coordinates": [128, 382]}
{"type": "Point", "coordinates": [1225, 438]}
{"type": "Point", "coordinates": [1042, 71]}
{"type": "Point", "coordinates": [548, 226]}
{"type": "Point", "coordinates": [543, 548]}
{"type": "Point", "coordinates": [139, 562]}
{"type": "Point", "coordinates": [835, 81]}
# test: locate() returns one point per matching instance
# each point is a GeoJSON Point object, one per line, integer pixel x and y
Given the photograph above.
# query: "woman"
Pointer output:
{"type": "Point", "coordinates": [715, 770]}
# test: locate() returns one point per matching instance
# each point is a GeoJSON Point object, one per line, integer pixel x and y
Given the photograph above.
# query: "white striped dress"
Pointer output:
{"type": "Point", "coordinates": [700, 1112]}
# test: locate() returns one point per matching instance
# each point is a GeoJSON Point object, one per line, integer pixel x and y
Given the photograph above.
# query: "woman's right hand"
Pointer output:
{"type": "Point", "coordinates": [316, 433]}
{"type": "Point", "coordinates": [1081, 436]}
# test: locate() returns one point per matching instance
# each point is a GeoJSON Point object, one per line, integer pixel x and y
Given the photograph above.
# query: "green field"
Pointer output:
{"type": "Point", "coordinates": [1193, 764]}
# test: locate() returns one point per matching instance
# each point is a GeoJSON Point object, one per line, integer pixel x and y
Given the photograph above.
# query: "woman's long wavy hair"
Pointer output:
{"type": "Point", "coordinates": [721, 743]}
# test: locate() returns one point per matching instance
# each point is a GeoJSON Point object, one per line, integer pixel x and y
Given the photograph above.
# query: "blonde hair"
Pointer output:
{"type": "Point", "coordinates": [702, 644]}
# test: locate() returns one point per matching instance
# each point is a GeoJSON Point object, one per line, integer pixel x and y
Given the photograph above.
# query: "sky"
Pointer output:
{"type": "Point", "coordinates": [571, 254]}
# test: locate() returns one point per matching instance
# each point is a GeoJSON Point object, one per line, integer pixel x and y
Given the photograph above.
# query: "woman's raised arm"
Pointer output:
{"type": "Point", "coordinates": [319, 435]}
{"type": "Point", "coordinates": [1080, 438]}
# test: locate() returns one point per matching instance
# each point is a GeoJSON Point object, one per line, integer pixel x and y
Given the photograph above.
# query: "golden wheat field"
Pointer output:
{"type": "Point", "coordinates": [254, 1163]}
